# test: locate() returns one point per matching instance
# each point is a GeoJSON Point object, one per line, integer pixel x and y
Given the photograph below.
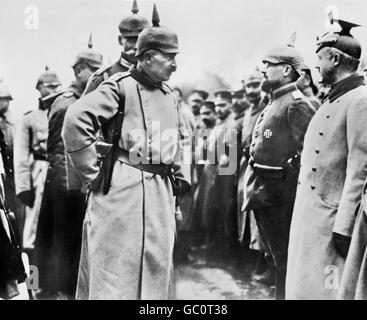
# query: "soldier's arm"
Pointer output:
{"type": "Point", "coordinates": [82, 121]}
{"type": "Point", "coordinates": [182, 160]}
{"type": "Point", "coordinates": [22, 156]}
{"type": "Point", "coordinates": [299, 115]}
{"type": "Point", "coordinates": [356, 167]}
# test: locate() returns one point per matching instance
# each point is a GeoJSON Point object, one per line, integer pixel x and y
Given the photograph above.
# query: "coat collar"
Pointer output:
{"type": "Point", "coordinates": [343, 86]}
{"type": "Point", "coordinates": [141, 77]}
{"type": "Point", "coordinates": [289, 87]}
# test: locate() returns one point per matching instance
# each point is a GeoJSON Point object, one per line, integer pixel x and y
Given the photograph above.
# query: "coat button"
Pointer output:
{"type": "Point", "coordinates": [313, 187]}
{"type": "Point", "coordinates": [321, 133]}
{"type": "Point", "coordinates": [317, 151]}
{"type": "Point", "coordinates": [314, 169]}
{"type": "Point", "coordinates": [327, 117]}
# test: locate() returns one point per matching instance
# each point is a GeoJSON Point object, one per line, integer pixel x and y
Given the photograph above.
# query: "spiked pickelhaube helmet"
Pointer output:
{"type": "Point", "coordinates": [341, 40]}
{"type": "Point", "coordinates": [133, 24]}
{"type": "Point", "coordinates": [286, 54]}
{"type": "Point", "coordinates": [91, 57]}
{"type": "Point", "coordinates": [157, 37]}
{"type": "Point", "coordinates": [48, 78]}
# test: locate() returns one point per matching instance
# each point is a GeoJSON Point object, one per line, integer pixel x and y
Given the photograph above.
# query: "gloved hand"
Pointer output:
{"type": "Point", "coordinates": [341, 244]}
{"type": "Point", "coordinates": [27, 197]}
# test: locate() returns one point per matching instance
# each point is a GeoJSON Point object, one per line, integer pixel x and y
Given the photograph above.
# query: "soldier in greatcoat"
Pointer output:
{"type": "Point", "coordinates": [30, 159]}
{"type": "Point", "coordinates": [60, 221]}
{"type": "Point", "coordinates": [277, 140]}
{"type": "Point", "coordinates": [333, 171]}
{"type": "Point", "coordinates": [129, 228]}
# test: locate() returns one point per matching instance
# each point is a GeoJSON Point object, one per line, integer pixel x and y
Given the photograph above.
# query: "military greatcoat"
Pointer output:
{"type": "Point", "coordinates": [128, 234]}
{"type": "Point", "coordinates": [30, 166]}
{"type": "Point", "coordinates": [57, 245]}
{"type": "Point", "coordinates": [333, 170]}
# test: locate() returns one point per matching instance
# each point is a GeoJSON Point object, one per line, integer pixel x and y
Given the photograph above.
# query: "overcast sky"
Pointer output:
{"type": "Point", "coordinates": [227, 38]}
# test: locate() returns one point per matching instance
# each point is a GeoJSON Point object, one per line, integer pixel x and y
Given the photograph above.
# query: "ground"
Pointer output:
{"type": "Point", "coordinates": [204, 277]}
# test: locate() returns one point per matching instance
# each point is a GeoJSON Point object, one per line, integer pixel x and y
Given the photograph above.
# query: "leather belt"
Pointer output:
{"type": "Point", "coordinates": [267, 171]}
{"type": "Point", "coordinates": [37, 156]}
{"type": "Point", "coordinates": [160, 168]}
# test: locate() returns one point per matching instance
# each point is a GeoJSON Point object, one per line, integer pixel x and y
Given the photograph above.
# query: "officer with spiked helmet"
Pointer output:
{"type": "Point", "coordinates": [61, 216]}
{"type": "Point", "coordinates": [129, 27]}
{"type": "Point", "coordinates": [333, 171]}
{"type": "Point", "coordinates": [129, 227]}
{"type": "Point", "coordinates": [271, 177]}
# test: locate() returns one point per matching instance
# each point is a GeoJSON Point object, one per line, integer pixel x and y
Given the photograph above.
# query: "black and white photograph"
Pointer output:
{"type": "Point", "coordinates": [186, 150]}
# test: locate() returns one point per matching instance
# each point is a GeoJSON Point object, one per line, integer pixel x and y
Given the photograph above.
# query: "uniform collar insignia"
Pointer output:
{"type": "Point", "coordinates": [284, 90]}
{"type": "Point", "coordinates": [344, 86]}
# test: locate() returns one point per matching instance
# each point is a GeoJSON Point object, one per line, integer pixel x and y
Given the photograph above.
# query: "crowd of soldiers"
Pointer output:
{"type": "Point", "coordinates": [115, 179]}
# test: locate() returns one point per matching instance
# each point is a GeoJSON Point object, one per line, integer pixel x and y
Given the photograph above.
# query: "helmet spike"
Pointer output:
{"type": "Point", "coordinates": [155, 17]}
{"type": "Point", "coordinates": [292, 40]}
{"type": "Point", "coordinates": [135, 8]}
{"type": "Point", "coordinates": [90, 41]}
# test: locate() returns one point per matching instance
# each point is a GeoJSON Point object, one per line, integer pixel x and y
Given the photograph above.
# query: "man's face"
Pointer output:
{"type": "Point", "coordinates": [161, 65]}
{"type": "Point", "coordinates": [239, 103]}
{"type": "Point", "coordinates": [4, 105]}
{"type": "Point", "coordinates": [195, 101]}
{"type": "Point", "coordinates": [45, 89]}
{"type": "Point", "coordinates": [207, 116]}
{"type": "Point", "coordinates": [253, 91]}
{"type": "Point", "coordinates": [303, 81]}
{"type": "Point", "coordinates": [325, 65]}
{"type": "Point", "coordinates": [128, 44]}
{"type": "Point", "coordinates": [83, 75]}
{"type": "Point", "coordinates": [273, 75]}
{"type": "Point", "coordinates": [222, 108]}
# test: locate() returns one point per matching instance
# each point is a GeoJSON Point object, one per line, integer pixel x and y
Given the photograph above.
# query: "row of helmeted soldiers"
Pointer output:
{"type": "Point", "coordinates": [271, 171]}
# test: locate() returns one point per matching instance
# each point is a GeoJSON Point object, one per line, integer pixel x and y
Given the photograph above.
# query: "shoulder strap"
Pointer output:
{"type": "Point", "coordinates": [108, 163]}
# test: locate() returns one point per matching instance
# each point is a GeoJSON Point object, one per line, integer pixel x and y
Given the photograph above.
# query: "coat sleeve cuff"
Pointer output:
{"type": "Point", "coordinates": [345, 218]}
{"type": "Point", "coordinates": [84, 162]}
